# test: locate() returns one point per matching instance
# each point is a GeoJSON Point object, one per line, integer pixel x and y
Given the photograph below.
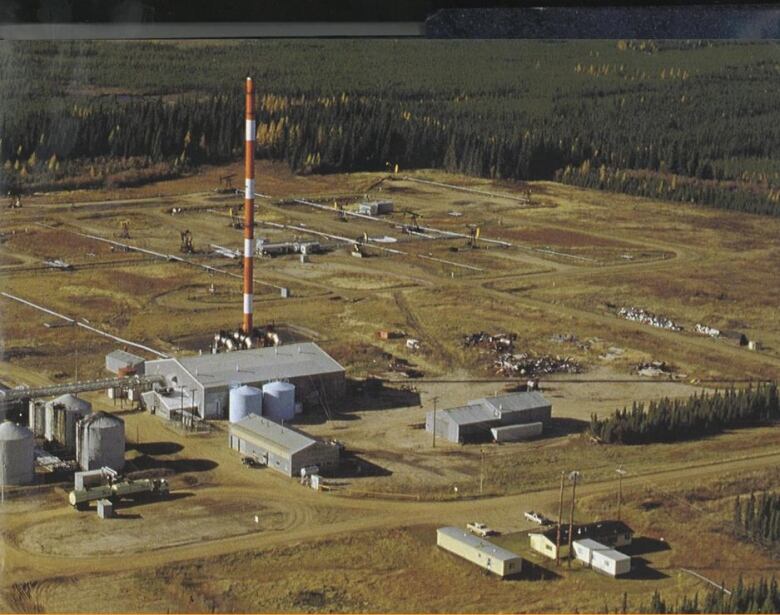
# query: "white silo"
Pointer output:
{"type": "Point", "coordinates": [62, 414]}
{"type": "Point", "coordinates": [16, 454]}
{"type": "Point", "coordinates": [279, 401]}
{"type": "Point", "coordinates": [100, 441]}
{"type": "Point", "coordinates": [245, 400]}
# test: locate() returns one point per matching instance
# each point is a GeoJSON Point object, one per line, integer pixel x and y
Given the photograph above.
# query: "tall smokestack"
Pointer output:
{"type": "Point", "coordinates": [249, 206]}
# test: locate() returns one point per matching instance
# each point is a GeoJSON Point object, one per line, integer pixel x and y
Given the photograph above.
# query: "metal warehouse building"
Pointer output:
{"type": "Point", "coordinates": [479, 551]}
{"type": "Point", "coordinates": [122, 362]}
{"type": "Point", "coordinates": [203, 382]}
{"type": "Point", "coordinates": [281, 448]}
{"type": "Point", "coordinates": [480, 415]}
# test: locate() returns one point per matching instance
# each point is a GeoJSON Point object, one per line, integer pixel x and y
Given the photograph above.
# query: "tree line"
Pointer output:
{"type": "Point", "coordinates": [695, 123]}
{"type": "Point", "coordinates": [758, 519]}
{"type": "Point", "coordinates": [762, 596]}
{"type": "Point", "coordinates": [670, 420]}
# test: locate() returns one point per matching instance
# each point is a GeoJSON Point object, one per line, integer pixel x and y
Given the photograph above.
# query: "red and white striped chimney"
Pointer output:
{"type": "Point", "coordinates": [249, 206]}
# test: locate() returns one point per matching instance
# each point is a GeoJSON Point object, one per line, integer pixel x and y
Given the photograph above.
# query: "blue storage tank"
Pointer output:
{"type": "Point", "coordinates": [279, 401]}
{"type": "Point", "coordinates": [245, 400]}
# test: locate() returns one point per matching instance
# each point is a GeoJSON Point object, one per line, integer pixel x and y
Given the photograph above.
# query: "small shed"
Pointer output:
{"type": "Point", "coordinates": [105, 508]}
{"type": "Point", "coordinates": [611, 562]}
{"type": "Point", "coordinates": [479, 551]}
{"type": "Point", "coordinates": [124, 363]}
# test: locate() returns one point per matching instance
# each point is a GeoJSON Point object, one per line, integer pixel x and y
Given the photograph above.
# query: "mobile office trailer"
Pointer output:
{"type": "Point", "coordinates": [479, 551]}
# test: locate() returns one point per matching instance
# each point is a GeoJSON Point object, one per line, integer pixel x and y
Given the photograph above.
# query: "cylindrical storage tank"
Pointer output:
{"type": "Point", "coordinates": [37, 418]}
{"type": "Point", "coordinates": [279, 401]}
{"type": "Point", "coordinates": [245, 400]}
{"type": "Point", "coordinates": [62, 414]}
{"type": "Point", "coordinates": [16, 454]}
{"type": "Point", "coordinates": [100, 441]}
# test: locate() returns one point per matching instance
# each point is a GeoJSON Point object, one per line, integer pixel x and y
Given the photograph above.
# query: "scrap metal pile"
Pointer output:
{"type": "Point", "coordinates": [507, 362]}
{"type": "Point", "coordinates": [648, 318]}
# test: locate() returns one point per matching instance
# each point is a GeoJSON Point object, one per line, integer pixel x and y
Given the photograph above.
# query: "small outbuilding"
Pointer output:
{"type": "Point", "coordinates": [479, 551]}
{"type": "Point", "coordinates": [609, 533]}
{"type": "Point", "coordinates": [124, 363]}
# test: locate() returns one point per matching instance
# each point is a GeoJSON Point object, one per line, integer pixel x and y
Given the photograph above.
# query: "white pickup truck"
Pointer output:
{"type": "Point", "coordinates": [479, 529]}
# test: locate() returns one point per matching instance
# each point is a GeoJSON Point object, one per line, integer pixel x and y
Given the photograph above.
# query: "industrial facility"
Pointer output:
{"type": "Point", "coordinates": [284, 449]}
{"type": "Point", "coordinates": [479, 551]}
{"type": "Point", "coordinates": [201, 384]}
{"type": "Point", "coordinates": [513, 416]}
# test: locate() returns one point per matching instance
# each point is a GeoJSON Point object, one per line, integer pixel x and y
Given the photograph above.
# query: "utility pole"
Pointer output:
{"type": "Point", "coordinates": [573, 477]}
{"type": "Point", "coordinates": [481, 469]}
{"type": "Point", "coordinates": [435, 399]}
{"type": "Point", "coordinates": [620, 472]}
{"type": "Point", "coordinates": [560, 521]}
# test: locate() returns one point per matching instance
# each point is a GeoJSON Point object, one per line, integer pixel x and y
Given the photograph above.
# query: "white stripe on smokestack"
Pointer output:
{"type": "Point", "coordinates": [249, 206]}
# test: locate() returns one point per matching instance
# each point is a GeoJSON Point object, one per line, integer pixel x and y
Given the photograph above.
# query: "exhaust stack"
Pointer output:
{"type": "Point", "coordinates": [249, 206]}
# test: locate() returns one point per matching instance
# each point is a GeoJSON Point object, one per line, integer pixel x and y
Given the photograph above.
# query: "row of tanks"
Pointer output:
{"type": "Point", "coordinates": [97, 439]}
{"type": "Point", "coordinates": [275, 401]}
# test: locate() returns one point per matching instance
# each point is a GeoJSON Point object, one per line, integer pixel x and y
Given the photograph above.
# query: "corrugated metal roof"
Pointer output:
{"type": "Point", "coordinates": [258, 364]}
{"type": "Point", "coordinates": [264, 430]}
{"type": "Point", "coordinates": [468, 415]}
{"type": "Point", "coordinates": [488, 548]}
{"type": "Point", "coordinates": [514, 402]}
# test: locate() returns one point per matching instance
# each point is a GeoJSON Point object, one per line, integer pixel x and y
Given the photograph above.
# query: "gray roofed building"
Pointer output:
{"type": "Point", "coordinates": [280, 447]}
{"type": "Point", "coordinates": [121, 360]}
{"type": "Point", "coordinates": [477, 418]}
{"type": "Point", "coordinates": [207, 378]}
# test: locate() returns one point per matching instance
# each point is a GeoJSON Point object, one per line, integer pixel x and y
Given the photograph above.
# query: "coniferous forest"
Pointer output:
{"type": "Point", "coordinates": [691, 121]}
{"type": "Point", "coordinates": [763, 596]}
{"type": "Point", "coordinates": [670, 420]}
{"type": "Point", "coordinates": [758, 519]}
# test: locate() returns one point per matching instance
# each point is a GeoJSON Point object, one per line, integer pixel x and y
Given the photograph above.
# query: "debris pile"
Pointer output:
{"type": "Point", "coordinates": [510, 363]}
{"type": "Point", "coordinates": [707, 330]}
{"type": "Point", "coordinates": [648, 318]}
{"type": "Point", "coordinates": [523, 364]}
{"type": "Point", "coordinates": [654, 368]}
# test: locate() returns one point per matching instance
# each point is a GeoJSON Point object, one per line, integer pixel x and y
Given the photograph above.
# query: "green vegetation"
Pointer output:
{"type": "Point", "coordinates": [760, 597]}
{"type": "Point", "coordinates": [759, 520]}
{"type": "Point", "coordinates": [695, 122]}
{"type": "Point", "coordinates": [670, 420]}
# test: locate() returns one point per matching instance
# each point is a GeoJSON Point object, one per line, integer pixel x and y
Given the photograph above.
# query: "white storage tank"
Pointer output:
{"type": "Point", "coordinates": [16, 454]}
{"type": "Point", "coordinates": [100, 441]}
{"type": "Point", "coordinates": [245, 400]}
{"type": "Point", "coordinates": [62, 414]}
{"type": "Point", "coordinates": [279, 401]}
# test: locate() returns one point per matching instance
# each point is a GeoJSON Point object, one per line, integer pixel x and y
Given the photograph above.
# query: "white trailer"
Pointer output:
{"type": "Point", "coordinates": [584, 549]}
{"type": "Point", "coordinates": [611, 562]}
{"type": "Point", "coordinates": [479, 551]}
